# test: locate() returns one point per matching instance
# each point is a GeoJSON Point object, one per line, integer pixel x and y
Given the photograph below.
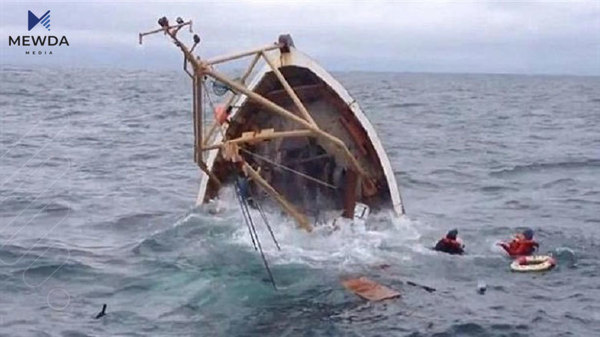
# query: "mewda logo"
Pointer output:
{"type": "Point", "coordinates": [34, 20]}
{"type": "Point", "coordinates": [38, 45]}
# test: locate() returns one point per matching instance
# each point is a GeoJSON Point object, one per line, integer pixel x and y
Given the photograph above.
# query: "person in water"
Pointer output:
{"type": "Point", "coordinates": [522, 245]}
{"type": "Point", "coordinates": [450, 244]}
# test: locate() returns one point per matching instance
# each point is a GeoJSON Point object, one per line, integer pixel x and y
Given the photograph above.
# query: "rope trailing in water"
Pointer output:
{"type": "Point", "coordinates": [243, 209]}
{"type": "Point", "coordinates": [250, 223]}
{"type": "Point", "coordinates": [264, 217]}
{"type": "Point", "coordinates": [289, 169]}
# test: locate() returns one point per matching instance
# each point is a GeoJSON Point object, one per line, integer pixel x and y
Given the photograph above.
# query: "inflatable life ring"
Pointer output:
{"type": "Point", "coordinates": [533, 263]}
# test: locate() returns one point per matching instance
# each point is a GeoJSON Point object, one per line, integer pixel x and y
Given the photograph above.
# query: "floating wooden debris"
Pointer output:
{"type": "Point", "coordinates": [369, 289]}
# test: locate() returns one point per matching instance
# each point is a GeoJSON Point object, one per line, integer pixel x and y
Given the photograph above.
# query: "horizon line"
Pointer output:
{"type": "Point", "coordinates": [424, 72]}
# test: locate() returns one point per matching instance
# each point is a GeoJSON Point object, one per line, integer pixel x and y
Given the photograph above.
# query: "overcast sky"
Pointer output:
{"type": "Point", "coordinates": [480, 37]}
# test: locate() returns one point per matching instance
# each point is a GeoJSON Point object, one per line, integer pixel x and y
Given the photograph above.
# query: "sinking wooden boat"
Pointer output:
{"type": "Point", "coordinates": [291, 130]}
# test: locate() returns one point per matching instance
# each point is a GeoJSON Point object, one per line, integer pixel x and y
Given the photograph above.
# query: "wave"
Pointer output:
{"type": "Point", "coordinates": [32, 251]}
{"type": "Point", "coordinates": [72, 333]}
{"type": "Point", "coordinates": [154, 154]}
{"type": "Point", "coordinates": [204, 228]}
{"type": "Point", "coordinates": [224, 233]}
{"type": "Point", "coordinates": [405, 179]}
{"type": "Point", "coordinates": [61, 115]}
{"type": "Point", "coordinates": [559, 182]}
{"type": "Point", "coordinates": [516, 204]}
{"type": "Point", "coordinates": [16, 69]}
{"type": "Point", "coordinates": [450, 172]}
{"type": "Point", "coordinates": [579, 201]}
{"type": "Point", "coordinates": [153, 244]}
{"type": "Point", "coordinates": [496, 188]}
{"type": "Point", "coordinates": [474, 329]}
{"type": "Point", "coordinates": [17, 205]}
{"type": "Point", "coordinates": [536, 167]}
{"type": "Point", "coordinates": [54, 269]}
{"type": "Point", "coordinates": [133, 221]}
{"type": "Point", "coordinates": [405, 105]}
{"type": "Point", "coordinates": [19, 92]}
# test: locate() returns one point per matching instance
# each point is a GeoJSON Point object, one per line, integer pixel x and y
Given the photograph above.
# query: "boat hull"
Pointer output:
{"type": "Point", "coordinates": [334, 111]}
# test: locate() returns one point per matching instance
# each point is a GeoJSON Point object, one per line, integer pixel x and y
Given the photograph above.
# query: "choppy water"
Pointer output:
{"type": "Point", "coordinates": [98, 186]}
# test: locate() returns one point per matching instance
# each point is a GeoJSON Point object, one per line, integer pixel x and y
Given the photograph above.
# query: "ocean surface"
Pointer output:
{"type": "Point", "coordinates": [97, 198]}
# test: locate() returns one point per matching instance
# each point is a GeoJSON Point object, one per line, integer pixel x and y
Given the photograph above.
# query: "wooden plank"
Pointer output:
{"type": "Point", "coordinates": [369, 289]}
{"type": "Point", "coordinates": [255, 137]}
{"type": "Point", "coordinates": [225, 58]}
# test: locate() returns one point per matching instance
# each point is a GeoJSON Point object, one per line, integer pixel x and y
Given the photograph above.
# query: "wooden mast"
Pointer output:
{"type": "Point", "coordinates": [198, 115]}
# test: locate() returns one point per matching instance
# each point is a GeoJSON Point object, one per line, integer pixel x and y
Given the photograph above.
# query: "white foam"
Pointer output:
{"type": "Point", "coordinates": [350, 244]}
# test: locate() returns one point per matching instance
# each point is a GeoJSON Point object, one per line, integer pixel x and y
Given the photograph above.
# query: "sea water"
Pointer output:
{"type": "Point", "coordinates": [97, 206]}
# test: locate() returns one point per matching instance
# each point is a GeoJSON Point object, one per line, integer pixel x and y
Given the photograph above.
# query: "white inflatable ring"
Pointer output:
{"type": "Point", "coordinates": [533, 263]}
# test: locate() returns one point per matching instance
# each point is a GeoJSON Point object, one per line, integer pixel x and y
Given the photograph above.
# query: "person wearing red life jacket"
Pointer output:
{"type": "Point", "coordinates": [522, 245]}
{"type": "Point", "coordinates": [450, 244]}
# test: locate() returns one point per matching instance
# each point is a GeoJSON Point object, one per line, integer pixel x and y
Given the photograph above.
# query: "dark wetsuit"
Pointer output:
{"type": "Point", "coordinates": [449, 246]}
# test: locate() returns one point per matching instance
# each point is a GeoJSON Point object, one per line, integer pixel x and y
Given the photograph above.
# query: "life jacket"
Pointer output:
{"type": "Point", "coordinates": [449, 246]}
{"type": "Point", "coordinates": [520, 247]}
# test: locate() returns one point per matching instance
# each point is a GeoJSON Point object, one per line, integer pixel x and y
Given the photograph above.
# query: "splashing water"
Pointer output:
{"type": "Point", "coordinates": [344, 247]}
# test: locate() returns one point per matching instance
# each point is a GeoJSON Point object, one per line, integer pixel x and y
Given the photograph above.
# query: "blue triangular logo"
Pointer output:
{"type": "Point", "coordinates": [33, 20]}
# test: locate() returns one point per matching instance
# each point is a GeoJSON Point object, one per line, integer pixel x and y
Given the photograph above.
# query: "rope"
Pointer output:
{"type": "Point", "coordinates": [212, 105]}
{"type": "Point", "coordinates": [264, 217]}
{"type": "Point", "coordinates": [240, 201]}
{"type": "Point", "coordinates": [244, 206]}
{"type": "Point", "coordinates": [290, 169]}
